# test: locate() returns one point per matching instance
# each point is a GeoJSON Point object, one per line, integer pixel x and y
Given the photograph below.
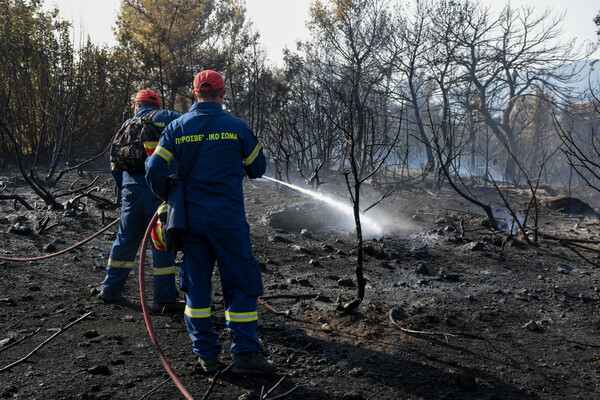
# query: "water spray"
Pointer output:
{"type": "Point", "coordinates": [368, 224]}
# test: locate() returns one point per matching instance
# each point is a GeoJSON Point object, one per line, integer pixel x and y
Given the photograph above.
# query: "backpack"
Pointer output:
{"type": "Point", "coordinates": [133, 143]}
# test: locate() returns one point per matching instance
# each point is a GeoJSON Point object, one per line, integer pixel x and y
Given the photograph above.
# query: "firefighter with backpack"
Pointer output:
{"type": "Point", "coordinates": [131, 145]}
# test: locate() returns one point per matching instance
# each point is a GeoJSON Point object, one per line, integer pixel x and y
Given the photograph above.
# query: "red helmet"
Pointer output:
{"type": "Point", "coordinates": [147, 95]}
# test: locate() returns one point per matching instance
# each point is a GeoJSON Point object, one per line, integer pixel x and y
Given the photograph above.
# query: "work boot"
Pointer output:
{"type": "Point", "coordinates": [209, 365]}
{"type": "Point", "coordinates": [110, 297]}
{"type": "Point", "coordinates": [169, 307]}
{"type": "Point", "coordinates": [252, 363]}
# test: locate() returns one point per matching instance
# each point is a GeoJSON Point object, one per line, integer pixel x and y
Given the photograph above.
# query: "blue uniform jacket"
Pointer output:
{"type": "Point", "coordinates": [160, 119]}
{"type": "Point", "coordinates": [213, 150]}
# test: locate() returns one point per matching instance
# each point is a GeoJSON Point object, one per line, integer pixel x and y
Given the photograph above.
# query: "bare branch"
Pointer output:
{"type": "Point", "coordinates": [60, 330]}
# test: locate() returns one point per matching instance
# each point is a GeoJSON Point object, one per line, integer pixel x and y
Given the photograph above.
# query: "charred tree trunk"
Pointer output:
{"type": "Point", "coordinates": [360, 279]}
{"type": "Point", "coordinates": [30, 179]}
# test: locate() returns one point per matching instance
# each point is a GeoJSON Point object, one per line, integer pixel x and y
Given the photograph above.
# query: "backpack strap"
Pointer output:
{"type": "Point", "coordinates": [150, 145]}
{"type": "Point", "coordinates": [149, 116]}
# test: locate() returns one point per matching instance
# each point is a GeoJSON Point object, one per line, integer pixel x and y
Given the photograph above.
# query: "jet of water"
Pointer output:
{"type": "Point", "coordinates": [370, 227]}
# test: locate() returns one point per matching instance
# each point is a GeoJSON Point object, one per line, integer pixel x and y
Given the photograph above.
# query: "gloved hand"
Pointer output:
{"type": "Point", "coordinates": [174, 242]}
{"type": "Point", "coordinates": [173, 180]}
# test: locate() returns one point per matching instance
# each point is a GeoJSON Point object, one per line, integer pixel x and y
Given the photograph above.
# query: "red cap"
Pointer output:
{"type": "Point", "coordinates": [208, 80]}
{"type": "Point", "coordinates": [147, 95]}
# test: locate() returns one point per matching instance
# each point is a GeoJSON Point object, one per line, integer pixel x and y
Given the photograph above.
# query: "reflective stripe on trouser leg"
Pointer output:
{"type": "Point", "coordinates": [199, 263]}
{"type": "Point", "coordinates": [204, 337]}
{"type": "Point", "coordinates": [244, 326]}
{"type": "Point", "coordinates": [164, 271]}
{"type": "Point", "coordinates": [164, 275]}
{"type": "Point", "coordinates": [241, 283]}
{"type": "Point", "coordinates": [131, 232]}
{"type": "Point", "coordinates": [241, 317]}
{"type": "Point", "coordinates": [116, 275]}
{"type": "Point", "coordinates": [137, 209]}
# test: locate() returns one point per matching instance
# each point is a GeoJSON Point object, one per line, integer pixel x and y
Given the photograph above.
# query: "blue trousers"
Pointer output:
{"type": "Point", "coordinates": [229, 245]}
{"type": "Point", "coordinates": [137, 209]}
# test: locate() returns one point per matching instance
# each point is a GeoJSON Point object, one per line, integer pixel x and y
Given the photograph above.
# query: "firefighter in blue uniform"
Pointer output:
{"type": "Point", "coordinates": [138, 207]}
{"type": "Point", "coordinates": [214, 150]}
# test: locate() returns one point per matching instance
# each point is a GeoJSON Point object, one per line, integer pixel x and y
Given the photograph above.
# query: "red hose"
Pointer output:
{"type": "Point", "coordinates": [146, 311]}
{"type": "Point", "coordinates": [63, 250]}
{"type": "Point", "coordinates": [271, 308]}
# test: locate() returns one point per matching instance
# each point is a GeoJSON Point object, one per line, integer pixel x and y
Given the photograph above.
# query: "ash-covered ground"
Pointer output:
{"type": "Point", "coordinates": [452, 310]}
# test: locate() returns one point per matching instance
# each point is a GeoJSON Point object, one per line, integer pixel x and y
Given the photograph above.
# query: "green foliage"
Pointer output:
{"type": "Point", "coordinates": [174, 40]}
{"type": "Point", "coordinates": [52, 95]}
{"type": "Point", "coordinates": [63, 104]}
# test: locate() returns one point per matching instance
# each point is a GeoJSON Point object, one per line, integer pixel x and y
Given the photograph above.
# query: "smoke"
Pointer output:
{"type": "Point", "coordinates": [340, 215]}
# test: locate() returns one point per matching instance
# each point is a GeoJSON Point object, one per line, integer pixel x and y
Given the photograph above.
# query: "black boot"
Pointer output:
{"type": "Point", "coordinates": [252, 363]}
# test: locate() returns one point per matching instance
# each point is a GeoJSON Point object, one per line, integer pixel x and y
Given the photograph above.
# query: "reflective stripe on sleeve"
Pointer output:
{"type": "Point", "coordinates": [164, 271]}
{"type": "Point", "coordinates": [197, 312]}
{"type": "Point", "coordinates": [120, 264]}
{"type": "Point", "coordinates": [241, 317]}
{"type": "Point", "coordinates": [164, 153]}
{"type": "Point", "coordinates": [252, 157]}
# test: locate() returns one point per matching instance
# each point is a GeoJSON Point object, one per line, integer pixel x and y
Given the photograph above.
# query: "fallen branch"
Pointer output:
{"type": "Point", "coordinates": [73, 184]}
{"type": "Point", "coordinates": [43, 192]}
{"type": "Point", "coordinates": [572, 248]}
{"type": "Point", "coordinates": [14, 188]}
{"type": "Point", "coordinates": [474, 214]}
{"type": "Point", "coordinates": [20, 340]}
{"type": "Point", "coordinates": [42, 225]}
{"type": "Point", "coordinates": [155, 389]}
{"type": "Point", "coordinates": [571, 240]}
{"type": "Point", "coordinates": [272, 389]}
{"type": "Point", "coordinates": [81, 189]}
{"type": "Point", "coordinates": [290, 296]}
{"type": "Point", "coordinates": [18, 198]}
{"type": "Point", "coordinates": [63, 250]}
{"type": "Point", "coordinates": [81, 164]}
{"type": "Point", "coordinates": [375, 394]}
{"type": "Point", "coordinates": [213, 381]}
{"type": "Point", "coordinates": [99, 199]}
{"type": "Point", "coordinates": [60, 330]}
{"type": "Point", "coordinates": [570, 296]}
{"type": "Point", "coordinates": [445, 334]}
{"type": "Point", "coordinates": [281, 396]}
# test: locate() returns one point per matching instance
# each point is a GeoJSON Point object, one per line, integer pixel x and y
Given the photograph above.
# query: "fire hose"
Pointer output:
{"type": "Point", "coordinates": [146, 311]}
{"type": "Point", "coordinates": [145, 308]}
{"type": "Point", "coordinates": [64, 250]}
